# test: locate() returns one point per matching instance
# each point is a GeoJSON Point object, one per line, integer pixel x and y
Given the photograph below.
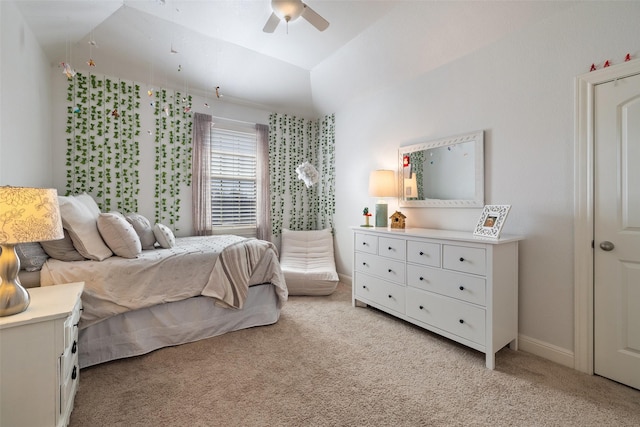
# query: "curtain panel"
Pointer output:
{"type": "Point", "coordinates": [201, 186]}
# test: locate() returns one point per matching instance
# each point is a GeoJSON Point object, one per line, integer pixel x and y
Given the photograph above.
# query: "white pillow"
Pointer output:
{"type": "Point", "coordinates": [164, 236]}
{"type": "Point", "coordinates": [82, 226]}
{"type": "Point", "coordinates": [144, 229]}
{"type": "Point", "coordinates": [119, 235]}
{"type": "Point", "coordinates": [91, 204]}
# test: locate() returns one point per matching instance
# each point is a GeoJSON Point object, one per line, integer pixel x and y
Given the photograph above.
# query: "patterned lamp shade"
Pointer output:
{"type": "Point", "coordinates": [26, 215]}
{"type": "Point", "coordinates": [29, 215]}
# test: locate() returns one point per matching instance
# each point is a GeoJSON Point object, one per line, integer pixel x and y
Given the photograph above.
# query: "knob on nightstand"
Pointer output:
{"type": "Point", "coordinates": [461, 259]}
{"type": "Point", "coordinates": [74, 347]}
{"type": "Point", "coordinates": [461, 288]}
{"type": "Point", "coordinates": [461, 321]}
{"type": "Point", "coordinates": [421, 253]}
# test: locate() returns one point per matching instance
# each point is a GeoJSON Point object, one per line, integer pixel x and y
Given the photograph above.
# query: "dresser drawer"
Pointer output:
{"type": "Point", "coordinates": [465, 259]}
{"type": "Point", "coordinates": [366, 243]}
{"type": "Point", "coordinates": [461, 286]}
{"type": "Point", "coordinates": [380, 291]}
{"type": "Point", "coordinates": [392, 248]}
{"type": "Point", "coordinates": [456, 317]}
{"type": "Point", "coordinates": [385, 268]}
{"type": "Point", "coordinates": [423, 253]}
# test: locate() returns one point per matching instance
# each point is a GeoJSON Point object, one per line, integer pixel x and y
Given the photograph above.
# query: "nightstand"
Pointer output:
{"type": "Point", "coordinates": [39, 358]}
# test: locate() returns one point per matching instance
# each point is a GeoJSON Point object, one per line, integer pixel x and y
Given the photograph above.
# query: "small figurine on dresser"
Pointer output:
{"type": "Point", "coordinates": [398, 220]}
{"type": "Point", "coordinates": [367, 215]}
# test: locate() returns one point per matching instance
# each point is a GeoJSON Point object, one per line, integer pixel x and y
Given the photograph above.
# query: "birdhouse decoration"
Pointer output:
{"type": "Point", "coordinates": [398, 220]}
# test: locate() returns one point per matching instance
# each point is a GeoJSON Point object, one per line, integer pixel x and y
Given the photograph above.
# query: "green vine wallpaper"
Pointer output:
{"type": "Point", "coordinates": [103, 144]}
{"type": "Point", "coordinates": [293, 141]}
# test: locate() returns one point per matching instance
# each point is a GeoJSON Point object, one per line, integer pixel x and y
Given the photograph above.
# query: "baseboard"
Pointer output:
{"type": "Point", "coordinates": [345, 279]}
{"type": "Point", "coordinates": [545, 350]}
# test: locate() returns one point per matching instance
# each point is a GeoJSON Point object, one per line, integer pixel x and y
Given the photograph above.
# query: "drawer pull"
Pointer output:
{"type": "Point", "coordinates": [364, 286]}
{"type": "Point", "coordinates": [390, 270]}
{"type": "Point", "coordinates": [461, 288]}
{"type": "Point", "coordinates": [421, 253]}
{"type": "Point", "coordinates": [390, 296]}
{"type": "Point", "coordinates": [74, 347]}
{"type": "Point", "coordinates": [390, 248]}
{"type": "Point", "coordinates": [461, 259]}
{"type": "Point", "coordinates": [74, 373]}
{"type": "Point", "coordinates": [364, 263]}
{"type": "Point", "coordinates": [422, 307]}
{"type": "Point", "coordinates": [421, 278]}
{"type": "Point", "coordinates": [364, 243]}
{"type": "Point", "coordinates": [461, 321]}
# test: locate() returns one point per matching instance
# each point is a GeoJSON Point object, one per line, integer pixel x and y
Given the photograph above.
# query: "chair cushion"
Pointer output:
{"type": "Point", "coordinates": [307, 262]}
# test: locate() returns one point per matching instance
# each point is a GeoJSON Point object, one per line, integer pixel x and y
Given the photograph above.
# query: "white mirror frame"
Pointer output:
{"type": "Point", "coordinates": [477, 201]}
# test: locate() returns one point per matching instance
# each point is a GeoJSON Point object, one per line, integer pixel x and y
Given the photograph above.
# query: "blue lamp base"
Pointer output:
{"type": "Point", "coordinates": [381, 215]}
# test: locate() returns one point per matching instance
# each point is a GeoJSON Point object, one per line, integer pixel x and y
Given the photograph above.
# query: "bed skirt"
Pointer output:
{"type": "Point", "coordinates": [141, 331]}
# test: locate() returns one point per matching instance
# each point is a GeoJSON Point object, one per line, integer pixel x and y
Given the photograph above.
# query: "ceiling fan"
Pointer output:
{"type": "Point", "coordinates": [290, 10]}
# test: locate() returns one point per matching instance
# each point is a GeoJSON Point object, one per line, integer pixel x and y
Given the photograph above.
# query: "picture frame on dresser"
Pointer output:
{"type": "Point", "coordinates": [491, 221]}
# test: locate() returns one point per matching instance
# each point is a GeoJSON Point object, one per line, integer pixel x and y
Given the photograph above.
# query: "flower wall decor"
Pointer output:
{"type": "Point", "coordinates": [103, 144]}
{"type": "Point", "coordinates": [292, 143]}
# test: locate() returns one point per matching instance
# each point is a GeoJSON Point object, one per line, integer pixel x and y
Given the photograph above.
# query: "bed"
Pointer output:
{"type": "Point", "coordinates": [198, 288]}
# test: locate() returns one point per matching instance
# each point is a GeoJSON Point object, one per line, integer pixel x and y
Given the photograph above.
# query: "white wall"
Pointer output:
{"type": "Point", "coordinates": [520, 90]}
{"type": "Point", "coordinates": [25, 104]}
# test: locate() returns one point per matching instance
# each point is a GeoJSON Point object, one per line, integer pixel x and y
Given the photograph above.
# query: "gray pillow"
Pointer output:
{"type": "Point", "coordinates": [62, 249]}
{"type": "Point", "coordinates": [144, 229]}
{"type": "Point", "coordinates": [32, 256]}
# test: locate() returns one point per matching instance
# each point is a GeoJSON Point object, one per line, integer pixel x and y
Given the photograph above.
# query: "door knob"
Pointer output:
{"type": "Point", "coordinates": [607, 246]}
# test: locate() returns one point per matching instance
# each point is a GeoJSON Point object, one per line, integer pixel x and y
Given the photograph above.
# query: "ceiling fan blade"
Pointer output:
{"type": "Point", "coordinates": [314, 19]}
{"type": "Point", "coordinates": [271, 24]}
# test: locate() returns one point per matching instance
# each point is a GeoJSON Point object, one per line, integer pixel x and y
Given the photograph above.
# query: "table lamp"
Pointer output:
{"type": "Point", "coordinates": [26, 215]}
{"type": "Point", "coordinates": [382, 184]}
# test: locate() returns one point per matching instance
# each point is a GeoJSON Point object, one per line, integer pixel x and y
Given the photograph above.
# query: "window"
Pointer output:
{"type": "Point", "coordinates": [233, 180]}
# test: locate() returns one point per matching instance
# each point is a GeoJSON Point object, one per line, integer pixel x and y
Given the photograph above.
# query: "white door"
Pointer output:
{"type": "Point", "coordinates": [617, 231]}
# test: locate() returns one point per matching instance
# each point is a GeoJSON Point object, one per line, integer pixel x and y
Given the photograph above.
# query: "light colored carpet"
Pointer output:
{"type": "Point", "coordinates": [326, 363]}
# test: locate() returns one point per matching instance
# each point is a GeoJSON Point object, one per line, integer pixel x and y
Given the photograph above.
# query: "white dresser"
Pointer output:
{"type": "Point", "coordinates": [457, 285]}
{"type": "Point", "coordinates": [39, 370]}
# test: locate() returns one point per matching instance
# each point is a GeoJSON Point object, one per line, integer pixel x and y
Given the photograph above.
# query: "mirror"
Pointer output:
{"type": "Point", "coordinates": [447, 172]}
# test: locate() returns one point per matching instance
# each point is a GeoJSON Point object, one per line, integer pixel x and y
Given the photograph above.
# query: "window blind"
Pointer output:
{"type": "Point", "coordinates": [233, 178]}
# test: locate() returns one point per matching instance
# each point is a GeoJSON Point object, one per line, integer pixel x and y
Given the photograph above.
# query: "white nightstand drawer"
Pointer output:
{"type": "Point", "coordinates": [385, 268]}
{"type": "Point", "coordinates": [380, 291]}
{"type": "Point", "coordinates": [366, 243]}
{"type": "Point", "coordinates": [424, 253]}
{"type": "Point", "coordinates": [392, 248]}
{"type": "Point", "coordinates": [456, 317]}
{"type": "Point", "coordinates": [465, 259]}
{"type": "Point", "coordinates": [461, 286]}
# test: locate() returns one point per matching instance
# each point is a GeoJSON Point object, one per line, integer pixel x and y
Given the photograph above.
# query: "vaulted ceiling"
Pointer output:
{"type": "Point", "coordinates": [200, 45]}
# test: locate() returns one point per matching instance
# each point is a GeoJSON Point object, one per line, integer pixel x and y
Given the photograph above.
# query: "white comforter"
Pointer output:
{"type": "Point", "coordinates": [158, 276]}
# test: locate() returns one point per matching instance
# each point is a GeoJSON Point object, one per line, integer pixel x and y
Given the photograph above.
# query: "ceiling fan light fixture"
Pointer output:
{"type": "Point", "coordinates": [289, 10]}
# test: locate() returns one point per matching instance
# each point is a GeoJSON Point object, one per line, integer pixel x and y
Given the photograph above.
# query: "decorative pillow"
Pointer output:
{"type": "Point", "coordinates": [81, 223]}
{"type": "Point", "coordinates": [119, 235]}
{"type": "Point", "coordinates": [164, 236]}
{"type": "Point", "coordinates": [32, 256]}
{"type": "Point", "coordinates": [88, 201]}
{"type": "Point", "coordinates": [144, 230]}
{"type": "Point", "coordinates": [62, 249]}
